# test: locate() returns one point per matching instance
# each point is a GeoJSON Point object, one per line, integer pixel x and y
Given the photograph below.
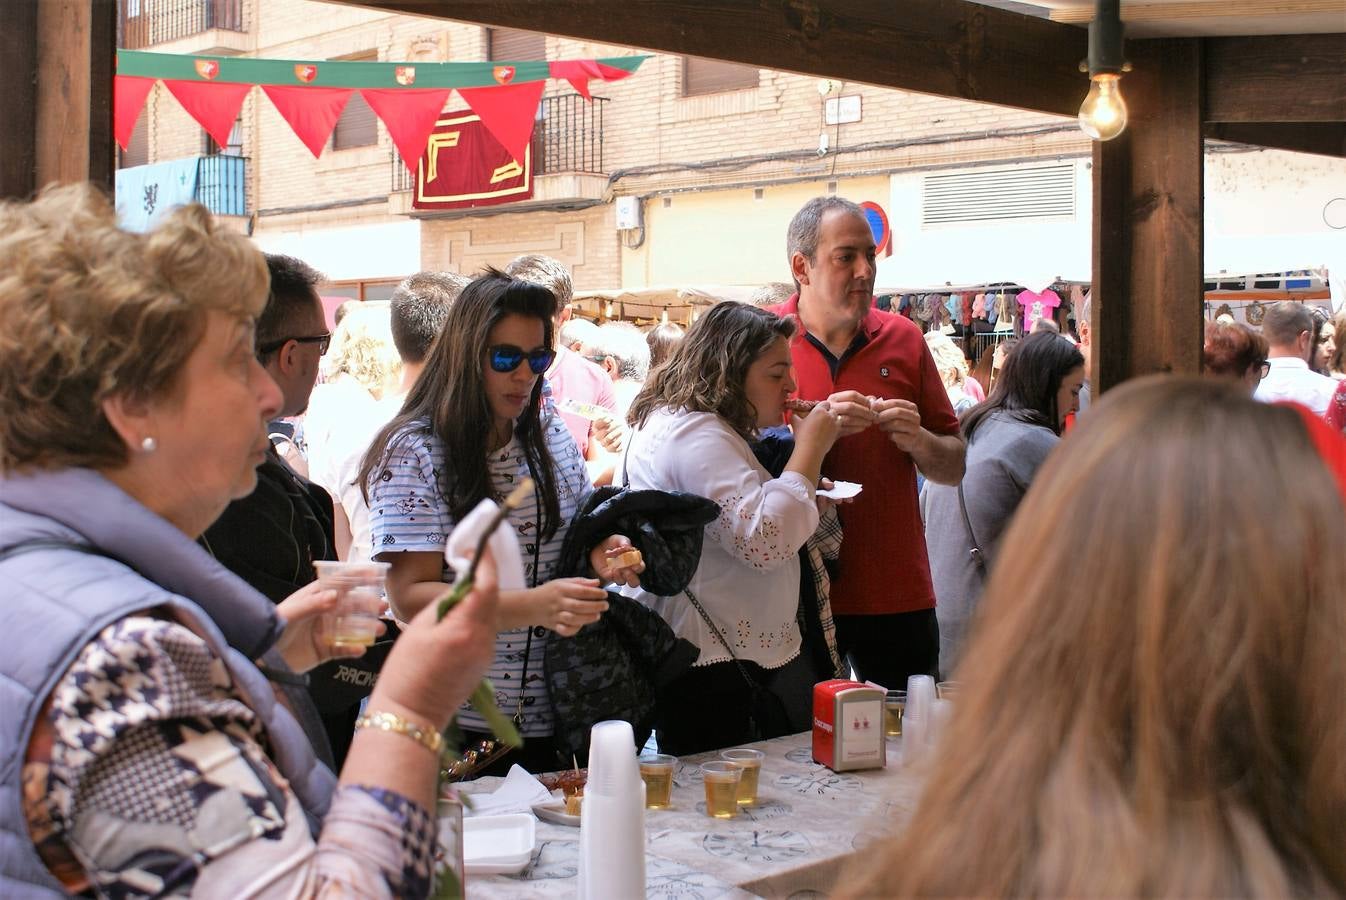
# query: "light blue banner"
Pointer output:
{"type": "Point", "coordinates": [145, 194]}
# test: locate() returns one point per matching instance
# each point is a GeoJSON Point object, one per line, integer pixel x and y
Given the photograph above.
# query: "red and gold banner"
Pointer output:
{"type": "Point", "coordinates": [465, 166]}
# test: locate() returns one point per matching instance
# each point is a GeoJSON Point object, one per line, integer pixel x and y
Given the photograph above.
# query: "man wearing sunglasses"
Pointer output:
{"type": "Point", "coordinates": [272, 537]}
{"type": "Point", "coordinates": [572, 379]}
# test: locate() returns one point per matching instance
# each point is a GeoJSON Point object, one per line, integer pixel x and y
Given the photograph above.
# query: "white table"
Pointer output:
{"type": "Point", "coordinates": [807, 820]}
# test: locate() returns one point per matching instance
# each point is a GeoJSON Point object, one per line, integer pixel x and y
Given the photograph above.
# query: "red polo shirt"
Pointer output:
{"type": "Point", "coordinates": [883, 568]}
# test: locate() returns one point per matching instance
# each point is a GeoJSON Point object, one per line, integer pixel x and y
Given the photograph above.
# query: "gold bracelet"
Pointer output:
{"type": "Point", "coordinates": [385, 721]}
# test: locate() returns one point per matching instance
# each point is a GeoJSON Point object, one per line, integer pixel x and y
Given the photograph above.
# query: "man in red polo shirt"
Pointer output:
{"type": "Point", "coordinates": [878, 373]}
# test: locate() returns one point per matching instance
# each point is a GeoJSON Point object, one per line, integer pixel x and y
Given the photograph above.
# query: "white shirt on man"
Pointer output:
{"type": "Point", "coordinates": [1292, 380]}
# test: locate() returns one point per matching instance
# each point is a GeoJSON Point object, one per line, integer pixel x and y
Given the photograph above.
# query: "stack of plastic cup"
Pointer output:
{"type": "Point", "coordinates": [916, 717]}
{"type": "Point", "coordinates": [612, 820]}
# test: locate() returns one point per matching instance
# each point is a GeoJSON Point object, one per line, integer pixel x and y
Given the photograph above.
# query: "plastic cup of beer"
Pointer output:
{"type": "Point", "coordinates": [721, 779]}
{"type": "Point", "coordinates": [750, 761]}
{"type": "Point", "coordinates": [359, 587]}
{"type": "Point", "coordinates": [947, 690]}
{"type": "Point", "coordinates": [656, 770]}
{"type": "Point", "coordinates": [894, 705]}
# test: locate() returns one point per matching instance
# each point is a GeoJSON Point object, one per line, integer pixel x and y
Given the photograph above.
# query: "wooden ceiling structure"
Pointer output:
{"type": "Point", "coordinates": [1241, 70]}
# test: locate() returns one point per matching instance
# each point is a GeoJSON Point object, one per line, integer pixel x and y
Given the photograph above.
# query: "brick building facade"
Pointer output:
{"type": "Point", "coordinates": [718, 157]}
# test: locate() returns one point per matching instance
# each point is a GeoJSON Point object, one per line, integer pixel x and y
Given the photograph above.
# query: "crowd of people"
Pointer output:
{"type": "Point", "coordinates": [1141, 599]}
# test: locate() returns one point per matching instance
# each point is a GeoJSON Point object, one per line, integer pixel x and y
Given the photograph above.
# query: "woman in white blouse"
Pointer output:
{"type": "Point", "coordinates": [694, 421]}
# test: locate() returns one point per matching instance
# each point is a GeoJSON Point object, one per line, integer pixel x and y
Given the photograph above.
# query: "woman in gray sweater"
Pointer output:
{"type": "Point", "coordinates": [1008, 438]}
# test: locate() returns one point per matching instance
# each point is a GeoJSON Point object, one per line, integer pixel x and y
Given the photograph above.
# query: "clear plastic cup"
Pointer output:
{"type": "Point", "coordinates": [894, 705]}
{"type": "Point", "coordinates": [656, 770]}
{"type": "Point", "coordinates": [750, 761]}
{"type": "Point", "coordinates": [360, 587]}
{"type": "Point", "coordinates": [721, 779]}
{"type": "Point", "coordinates": [947, 690]}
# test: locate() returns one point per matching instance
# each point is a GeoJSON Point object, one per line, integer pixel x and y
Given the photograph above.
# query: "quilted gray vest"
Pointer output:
{"type": "Point", "coordinates": [54, 601]}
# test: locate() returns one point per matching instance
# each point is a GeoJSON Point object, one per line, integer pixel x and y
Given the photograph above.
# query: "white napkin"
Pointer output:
{"type": "Point", "coordinates": [518, 793]}
{"type": "Point", "coordinates": [841, 490]}
{"type": "Point", "coordinates": [504, 546]}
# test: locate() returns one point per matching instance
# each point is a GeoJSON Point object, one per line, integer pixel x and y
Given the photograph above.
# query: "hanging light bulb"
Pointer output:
{"type": "Point", "coordinates": [663, 317]}
{"type": "Point", "coordinates": [1103, 113]}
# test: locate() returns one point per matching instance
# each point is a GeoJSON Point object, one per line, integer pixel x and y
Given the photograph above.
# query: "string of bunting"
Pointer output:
{"type": "Point", "coordinates": [310, 95]}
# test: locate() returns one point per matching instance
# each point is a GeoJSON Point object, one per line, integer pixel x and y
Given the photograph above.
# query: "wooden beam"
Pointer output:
{"type": "Point", "coordinates": [76, 52]}
{"type": "Point", "coordinates": [950, 48]}
{"type": "Point", "coordinates": [1147, 255]}
{"type": "Point", "coordinates": [1276, 78]}
{"type": "Point", "coordinates": [1324, 138]}
{"type": "Point", "coordinates": [18, 99]}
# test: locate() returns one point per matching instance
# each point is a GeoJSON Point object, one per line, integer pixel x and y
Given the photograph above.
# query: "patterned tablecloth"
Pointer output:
{"type": "Point", "coordinates": [807, 820]}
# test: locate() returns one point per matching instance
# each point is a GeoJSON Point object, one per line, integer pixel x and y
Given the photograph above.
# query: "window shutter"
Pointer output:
{"type": "Point", "coordinates": [357, 127]}
{"type": "Point", "coordinates": [1034, 192]}
{"type": "Point", "coordinates": [712, 76]}
{"type": "Point", "coordinates": [513, 45]}
{"type": "Point", "coordinates": [137, 152]}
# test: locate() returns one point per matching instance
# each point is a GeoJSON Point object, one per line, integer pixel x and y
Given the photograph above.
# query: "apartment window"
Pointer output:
{"type": "Point", "coordinates": [375, 289]}
{"type": "Point", "coordinates": [137, 152]}
{"type": "Point", "coordinates": [357, 126]}
{"type": "Point", "coordinates": [233, 148]}
{"type": "Point", "coordinates": [713, 76]}
{"type": "Point", "coordinates": [513, 45]}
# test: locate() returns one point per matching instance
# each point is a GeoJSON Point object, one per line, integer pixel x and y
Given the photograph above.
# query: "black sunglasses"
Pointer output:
{"type": "Point", "coordinates": [322, 340]}
{"type": "Point", "coordinates": [506, 358]}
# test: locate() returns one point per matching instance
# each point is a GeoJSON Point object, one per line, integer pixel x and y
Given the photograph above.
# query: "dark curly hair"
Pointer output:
{"type": "Point", "coordinates": [707, 370]}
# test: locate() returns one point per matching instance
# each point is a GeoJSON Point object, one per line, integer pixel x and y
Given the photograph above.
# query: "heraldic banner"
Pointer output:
{"type": "Point", "coordinates": [465, 166]}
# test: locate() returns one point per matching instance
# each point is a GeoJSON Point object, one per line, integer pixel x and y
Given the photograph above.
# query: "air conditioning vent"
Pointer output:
{"type": "Point", "coordinates": [1040, 192]}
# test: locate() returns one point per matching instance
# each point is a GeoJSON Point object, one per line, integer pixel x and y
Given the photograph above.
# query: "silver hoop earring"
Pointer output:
{"type": "Point", "coordinates": [149, 445]}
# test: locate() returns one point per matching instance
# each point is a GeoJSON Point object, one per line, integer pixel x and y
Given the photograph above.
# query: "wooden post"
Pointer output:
{"type": "Point", "coordinates": [18, 99]}
{"type": "Point", "coordinates": [56, 64]}
{"type": "Point", "coordinates": [1147, 234]}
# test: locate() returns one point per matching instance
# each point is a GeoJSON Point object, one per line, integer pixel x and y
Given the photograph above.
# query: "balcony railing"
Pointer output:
{"type": "Point", "coordinates": [567, 137]}
{"type": "Point", "coordinates": [144, 23]}
{"type": "Point", "coordinates": [222, 184]}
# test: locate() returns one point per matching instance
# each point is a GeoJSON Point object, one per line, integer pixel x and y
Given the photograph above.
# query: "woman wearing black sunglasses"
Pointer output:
{"type": "Point", "coordinates": [473, 427]}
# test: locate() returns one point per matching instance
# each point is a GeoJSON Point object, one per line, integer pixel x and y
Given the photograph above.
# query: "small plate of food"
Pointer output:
{"type": "Point", "coordinates": [568, 797]}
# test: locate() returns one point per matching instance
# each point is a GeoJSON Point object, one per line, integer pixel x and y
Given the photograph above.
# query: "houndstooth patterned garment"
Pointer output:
{"type": "Point", "coordinates": [149, 776]}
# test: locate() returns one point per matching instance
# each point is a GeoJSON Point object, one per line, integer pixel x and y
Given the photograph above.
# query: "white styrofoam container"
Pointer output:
{"type": "Point", "coordinates": [498, 844]}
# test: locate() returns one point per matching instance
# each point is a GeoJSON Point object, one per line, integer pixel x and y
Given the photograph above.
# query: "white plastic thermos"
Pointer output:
{"type": "Point", "coordinates": [612, 819]}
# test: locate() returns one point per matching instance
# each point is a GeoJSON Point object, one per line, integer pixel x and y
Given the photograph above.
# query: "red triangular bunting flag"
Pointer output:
{"type": "Point", "coordinates": [311, 112]}
{"type": "Point", "coordinates": [579, 71]}
{"type": "Point", "coordinates": [213, 104]}
{"type": "Point", "coordinates": [410, 116]}
{"type": "Point", "coordinates": [508, 112]}
{"type": "Point", "coordinates": [128, 99]}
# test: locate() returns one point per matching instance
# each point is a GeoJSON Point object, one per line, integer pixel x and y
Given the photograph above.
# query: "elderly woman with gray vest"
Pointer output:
{"type": "Point", "coordinates": [152, 741]}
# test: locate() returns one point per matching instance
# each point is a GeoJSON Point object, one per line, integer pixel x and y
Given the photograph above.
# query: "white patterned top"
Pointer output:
{"type": "Point", "coordinates": [407, 512]}
{"type": "Point", "coordinates": [748, 579]}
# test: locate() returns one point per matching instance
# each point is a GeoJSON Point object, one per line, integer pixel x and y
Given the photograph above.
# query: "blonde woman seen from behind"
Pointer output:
{"type": "Point", "coordinates": [360, 369]}
{"type": "Point", "coordinates": [953, 371]}
{"type": "Point", "coordinates": [1152, 707]}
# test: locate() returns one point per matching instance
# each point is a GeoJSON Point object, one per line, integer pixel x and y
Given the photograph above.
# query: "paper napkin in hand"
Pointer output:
{"type": "Point", "coordinates": [504, 546]}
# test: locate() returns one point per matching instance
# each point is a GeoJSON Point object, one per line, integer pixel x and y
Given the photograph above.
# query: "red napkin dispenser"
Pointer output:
{"type": "Point", "coordinates": [848, 725]}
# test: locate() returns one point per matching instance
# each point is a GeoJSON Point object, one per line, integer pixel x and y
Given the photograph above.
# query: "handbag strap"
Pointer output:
{"type": "Point", "coordinates": [705, 616]}
{"type": "Point", "coordinates": [978, 558]}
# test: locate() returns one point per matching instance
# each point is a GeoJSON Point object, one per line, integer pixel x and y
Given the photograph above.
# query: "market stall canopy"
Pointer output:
{"type": "Point", "coordinates": [648, 304]}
